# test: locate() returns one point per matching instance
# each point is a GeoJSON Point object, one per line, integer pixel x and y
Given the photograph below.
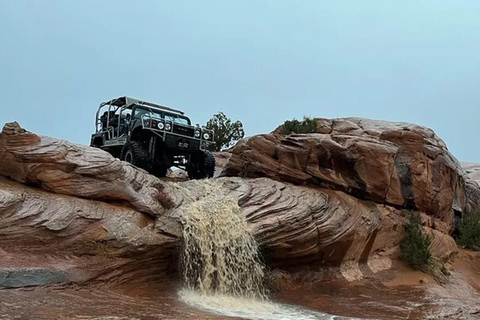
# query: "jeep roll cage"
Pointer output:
{"type": "Point", "coordinates": [128, 103]}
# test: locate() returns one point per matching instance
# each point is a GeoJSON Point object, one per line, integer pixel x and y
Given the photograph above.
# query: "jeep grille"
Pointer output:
{"type": "Point", "coordinates": [183, 130]}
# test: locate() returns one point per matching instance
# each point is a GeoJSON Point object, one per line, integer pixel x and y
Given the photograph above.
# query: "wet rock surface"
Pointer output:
{"type": "Point", "coordinates": [472, 171]}
{"type": "Point", "coordinates": [75, 215]}
{"type": "Point", "coordinates": [398, 164]}
{"type": "Point", "coordinates": [26, 277]}
{"type": "Point", "coordinates": [83, 195]}
{"type": "Point", "coordinates": [84, 239]}
{"type": "Point", "coordinates": [61, 167]}
{"type": "Point", "coordinates": [313, 227]}
{"type": "Point", "coordinates": [143, 302]}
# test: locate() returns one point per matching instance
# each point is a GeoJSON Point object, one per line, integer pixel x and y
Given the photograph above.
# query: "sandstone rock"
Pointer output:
{"type": "Point", "coordinates": [26, 277]}
{"type": "Point", "coordinates": [221, 160]}
{"type": "Point", "coordinates": [472, 171]}
{"type": "Point", "coordinates": [45, 237]}
{"type": "Point", "coordinates": [442, 246]}
{"type": "Point", "coordinates": [88, 222]}
{"type": "Point", "coordinates": [66, 168]}
{"type": "Point", "coordinates": [309, 228]}
{"type": "Point", "coordinates": [178, 175]}
{"type": "Point", "coordinates": [297, 228]}
{"type": "Point", "coordinates": [397, 164]}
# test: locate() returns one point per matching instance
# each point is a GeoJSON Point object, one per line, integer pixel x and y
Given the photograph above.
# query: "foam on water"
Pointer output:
{"type": "Point", "coordinates": [251, 308]}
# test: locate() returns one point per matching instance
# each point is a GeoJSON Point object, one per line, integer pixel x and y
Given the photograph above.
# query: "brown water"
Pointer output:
{"type": "Point", "coordinates": [69, 303]}
{"type": "Point", "coordinates": [368, 300]}
{"type": "Point", "coordinates": [220, 255]}
{"type": "Point", "coordinates": [164, 301]}
{"type": "Point", "coordinates": [221, 268]}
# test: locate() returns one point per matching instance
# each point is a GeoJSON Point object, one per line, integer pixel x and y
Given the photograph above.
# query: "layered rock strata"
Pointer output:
{"type": "Point", "coordinates": [396, 164]}
{"type": "Point", "coordinates": [71, 213]}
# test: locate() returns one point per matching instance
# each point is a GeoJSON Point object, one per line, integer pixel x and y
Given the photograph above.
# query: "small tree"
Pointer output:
{"type": "Point", "coordinates": [415, 246]}
{"type": "Point", "coordinates": [226, 132]}
{"type": "Point", "coordinates": [470, 230]}
{"type": "Point", "coordinates": [308, 125]}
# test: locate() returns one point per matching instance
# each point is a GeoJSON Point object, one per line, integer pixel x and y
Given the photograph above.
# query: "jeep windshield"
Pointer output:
{"type": "Point", "coordinates": [141, 112]}
{"type": "Point", "coordinates": [176, 119]}
{"type": "Point", "coordinates": [146, 112]}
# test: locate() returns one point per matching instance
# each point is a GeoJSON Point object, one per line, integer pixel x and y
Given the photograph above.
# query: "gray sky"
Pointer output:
{"type": "Point", "coordinates": [261, 62]}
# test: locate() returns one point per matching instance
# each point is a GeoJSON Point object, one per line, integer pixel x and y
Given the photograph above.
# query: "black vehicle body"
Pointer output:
{"type": "Point", "coordinates": [153, 137]}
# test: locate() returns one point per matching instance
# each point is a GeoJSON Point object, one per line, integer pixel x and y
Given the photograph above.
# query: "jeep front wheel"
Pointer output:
{"type": "Point", "coordinates": [209, 164]}
{"type": "Point", "coordinates": [201, 165]}
{"type": "Point", "coordinates": [134, 153]}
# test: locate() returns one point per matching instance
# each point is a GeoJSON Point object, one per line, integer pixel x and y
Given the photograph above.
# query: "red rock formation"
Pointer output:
{"type": "Point", "coordinates": [313, 227]}
{"type": "Point", "coordinates": [83, 240]}
{"type": "Point", "coordinates": [472, 171]}
{"type": "Point", "coordinates": [62, 167]}
{"type": "Point", "coordinates": [79, 211]}
{"type": "Point", "coordinates": [397, 164]}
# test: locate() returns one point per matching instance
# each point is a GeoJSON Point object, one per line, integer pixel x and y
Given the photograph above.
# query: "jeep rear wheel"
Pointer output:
{"type": "Point", "coordinates": [134, 153]}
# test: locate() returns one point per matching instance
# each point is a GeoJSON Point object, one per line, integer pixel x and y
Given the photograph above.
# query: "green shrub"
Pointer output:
{"type": "Point", "coordinates": [415, 246]}
{"type": "Point", "coordinates": [308, 125]}
{"type": "Point", "coordinates": [469, 230]}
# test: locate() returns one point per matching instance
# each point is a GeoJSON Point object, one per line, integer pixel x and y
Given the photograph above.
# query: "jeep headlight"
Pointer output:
{"type": "Point", "coordinates": [168, 126]}
{"type": "Point", "coordinates": [161, 125]}
{"type": "Point", "coordinates": [206, 136]}
{"type": "Point", "coordinates": [197, 134]}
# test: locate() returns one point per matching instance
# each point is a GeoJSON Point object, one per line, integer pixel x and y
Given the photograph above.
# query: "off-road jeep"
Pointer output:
{"type": "Point", "coordinates": [153, 137]}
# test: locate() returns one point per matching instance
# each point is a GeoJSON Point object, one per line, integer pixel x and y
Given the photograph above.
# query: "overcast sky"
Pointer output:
{"type": "Point", "coordinates": [261, 62]}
